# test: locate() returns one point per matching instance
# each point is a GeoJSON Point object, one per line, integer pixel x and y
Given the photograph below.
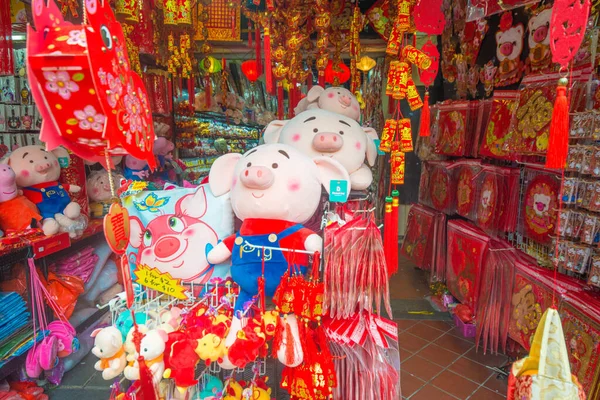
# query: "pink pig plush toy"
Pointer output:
{"type": "Point", "coordinates": [321, 133]}
{"type": "Point", "coordinates": [274, 189]}
{"type": "Point", "coordinates": [16, 211]}
{"type": "Point", "coordinates": [37, 172]}
{"type": "Point", "coordinates": [335, 99]}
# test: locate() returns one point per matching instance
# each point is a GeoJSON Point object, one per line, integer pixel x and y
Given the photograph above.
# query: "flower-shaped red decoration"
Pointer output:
{"type": "Point", "coordinates": [567, 29]}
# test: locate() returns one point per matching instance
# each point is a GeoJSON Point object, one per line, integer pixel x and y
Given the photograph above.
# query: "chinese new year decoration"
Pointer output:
{"type": "Point", "coordinates": [90, 99]}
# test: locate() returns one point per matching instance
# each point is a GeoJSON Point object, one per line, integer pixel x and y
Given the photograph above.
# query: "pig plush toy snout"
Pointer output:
{"type": "Point", "coordinates": [43, 167]}
{"type": "Point", "coordinates": [327, 142]}
{"type": "Point", "coordinates": [256, 177]}
{"type": "Point", "coordinates": [345, 100]}
{"type": "Point", "coordinates": [506, 48]}
{"type": "Point", "coordinates": [166, 247]}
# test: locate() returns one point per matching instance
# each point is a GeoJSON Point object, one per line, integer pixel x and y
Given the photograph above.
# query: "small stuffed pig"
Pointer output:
{"type": "Point", "coordinates": [162, 148]}
{"type": "Point", "coordinates": [135, 169]}
{"type": "Point", "coordinates": [335, 99]}
{"type": "Point", "coordinates": [16, 211]}
{"type": "Point", "coordinates": [108, 347]}
{"type": "Point", "coordinates": [98, 185]}
{"type": "Point", "coordinates": [152, 348]}
{"type": "Point", "coordinates": [37, 172]}
{"type": "Point", "coordinates": [320, 133]}
{"type": "Point", "coordinates": [274, 189]}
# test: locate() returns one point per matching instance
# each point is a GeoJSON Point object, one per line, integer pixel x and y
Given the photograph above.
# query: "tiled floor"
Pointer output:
{"type": "Point", "coordinates": [438, 363]}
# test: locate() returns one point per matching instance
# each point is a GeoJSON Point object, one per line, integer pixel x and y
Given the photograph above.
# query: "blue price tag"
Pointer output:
{"type": "Point", "coordinates": [63, 161]}
{"type": "Point", "coordinates": [377, 143]}
{"type": "Point", "coordinates": [338, 191]}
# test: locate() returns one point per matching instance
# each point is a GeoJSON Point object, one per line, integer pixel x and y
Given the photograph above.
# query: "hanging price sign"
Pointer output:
{"type": "Point", "coordinates": [116, 228]}
{"type": "Point", "coordinates": [161, 282]}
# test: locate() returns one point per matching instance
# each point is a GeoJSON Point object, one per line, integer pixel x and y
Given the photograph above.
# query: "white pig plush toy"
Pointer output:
{"type": "Point", "coordinates": [335, 99]}
{"type": "Point", "coordinates": [320, 133]}
{"type": "Point", "coordinates": [274, 190]}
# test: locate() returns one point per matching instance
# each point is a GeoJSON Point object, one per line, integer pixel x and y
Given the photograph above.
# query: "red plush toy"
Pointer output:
{"type": "Point", "coordinates": [181, 360]}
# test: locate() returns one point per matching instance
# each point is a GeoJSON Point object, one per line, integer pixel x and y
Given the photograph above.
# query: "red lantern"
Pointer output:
{"type": "Point", "coordinates": [342, 74]}
{"type": "Point", "coordinates": [250, 69]}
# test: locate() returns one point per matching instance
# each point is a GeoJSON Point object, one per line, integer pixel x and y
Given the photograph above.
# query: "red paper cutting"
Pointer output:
{"type": "Point", "coordinates": [441, 188]}
{"type": "Point", "coordinates": [540, 205]}
{"type": "Point", "coordinates": [497, 135]}
{"type": "Point", "coordinates": [567, 29]}
{"type": "Point", "coordinates": [465, 191]}
{"type": "Point", "coordinates": [429, 17]}
{"type": "Point", "coordinates": [452, 130]}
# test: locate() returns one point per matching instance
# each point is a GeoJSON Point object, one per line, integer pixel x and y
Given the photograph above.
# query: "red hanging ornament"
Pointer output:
{"type": "Point", "coordinates": [424, 125]}
{"type": "Point", "coordinates": [387, 231]}
{"type": "Point", "coordinates": [268, 63]}
{"type": "Point", "coordinates": [567, 29]}
{"type": "Point", "coordinates": [558, 142]}
{"type": "Point", "coordinates": [258, 42]}
{"type": "Point", "coordinates": [251, 70]}
{"type": "Point", "coordinates": [392, 267]}
{"type": "Point", "coordinates": [342, 74]}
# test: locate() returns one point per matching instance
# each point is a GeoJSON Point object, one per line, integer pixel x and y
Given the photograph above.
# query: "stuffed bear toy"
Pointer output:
{"type": "Point", "coordinates": [320, 133]}
{"type": "Point", "coordinates": [37, 172]}
{"type": "Point", "coordinates": [99, 192]}
{"type": "Point", "coordinates": [335, 99]}
{"type": "Point", "coordinates": [16, 211]}
{"type": "Point", "coordinates": [274, 190]}
{"type": "Point", "coordinates": [108, 347]}
{"type": "Point", "coordinates": [152, 348]}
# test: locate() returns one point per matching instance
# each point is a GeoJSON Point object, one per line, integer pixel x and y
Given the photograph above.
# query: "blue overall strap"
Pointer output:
{"type": "Point", "coordinates": [289, 231]}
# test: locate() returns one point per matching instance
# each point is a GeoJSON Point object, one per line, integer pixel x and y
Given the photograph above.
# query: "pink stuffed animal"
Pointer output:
{"type": "Point", "coordinates": [135, 169]}
{"type": "Point", "coordinates": [37, 172]}
{"type": "Point", "coordinates": [335, 99]}
{"type": "Point", "coordinates": [320, 133]}
{"type": "Point", "coordinates": [163, 146]}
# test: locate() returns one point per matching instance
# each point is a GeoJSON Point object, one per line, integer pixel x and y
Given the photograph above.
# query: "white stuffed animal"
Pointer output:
{"type": "Point", "coordinates": [335, 99]}
{"type": "Point", "coordinates": [152, 348]}
{"type": "Point", "coordinates": [108, 347]}
{"type": "Point", "coordinates": [320, 133]}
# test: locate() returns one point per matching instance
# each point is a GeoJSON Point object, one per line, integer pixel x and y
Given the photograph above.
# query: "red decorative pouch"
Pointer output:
{"type": "Point", "coordinates": [540, 205]}
{"type": "Point", "coordinates": [441, 187]}
{"type": "Point", "coordinates": [418, 234]}
{"type": "Point", "coordinates": [497, 132]}
{"type": "Point", "coordinates": [452, 129]}
{"type": "Point", "coordinates": [466, 187]}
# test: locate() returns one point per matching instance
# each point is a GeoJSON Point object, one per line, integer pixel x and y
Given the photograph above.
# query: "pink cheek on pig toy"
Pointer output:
{"type": "Point", "coordinates": [147, 252]}
{"type": "Point", "coordinates": [330, 95]}
{"type": "Point", "coordinates": [96, 191]}
{"type": "Point", "coordinates": [358, 146]}
{"type": "Point", "coordinates": [189, 233]}
{"type": "Point", "coordinates": [25, 174]}
{"type": "Point", "coordinates": [293, 185]}
{"type": "Point", "coordinates": [234, 182]}
{"type": "Point", "coordinates": [355, 107]}
{"type": "Point", "coordinates": [56, 163]}
{"type": "Point", "coordinates": [296, 137]}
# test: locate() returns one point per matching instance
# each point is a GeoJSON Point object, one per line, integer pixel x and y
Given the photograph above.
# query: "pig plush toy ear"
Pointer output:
{"type": "Point", "coordinates": [273, 131]}
{"type": "Point", "coordinates": [314, 93]}
{"type": "Point", "coordinates": [61, 153]}
{"type": "Point", "coordinates": [220, 177]}
{"type": "Point", "coordinates": [371, 149]}
{"type": "Point", "coordinates": [136, 229]}
{"type": "Point", "coordinates": [331, 170]}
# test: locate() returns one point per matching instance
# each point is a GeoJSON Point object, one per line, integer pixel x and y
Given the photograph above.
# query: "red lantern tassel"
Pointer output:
{"type": "Point", "coordinates": [268, 64]}
{"type": "Point", "coordinates": [391, 105]}
{"type": "Point", "coordinates": [558, 143]}
{"type": "Point", "coordinates": [392, 267]}
{"type": "Point", "coordinates": [387, 228]}
{"type": "Point", "coordinates": [207, 92]}
{"type": "Point", "coordinates": [170, 94]}
{"type": "Point", "coordinates": [280, 100]}
{"type": "Point", "coordinates": [147, 389]}
{"type": "Point", "coordinates": [424, 125]}
{"type": "Point", "coordinates": [322, 79]}
{"type": "Point", "coordinates": [309, 81]}
{"type": "Point", "coordinates": [191, 91]}
{"type": "Point", "coordinates": [249, 34]}
{"type": "Point", "coordinates": [258, 50]}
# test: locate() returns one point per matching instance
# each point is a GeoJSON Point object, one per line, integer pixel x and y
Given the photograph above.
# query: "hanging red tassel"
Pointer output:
{"type": "Point", "coordinates": [558, 143]}
{"type": "Point", "coordinates": [309, 81]}
{"type": "Point", "coordinates": [387, 228]}
{"type": "Point", "coordinates": [424, 125]}
{"type": "Point", "coordinates": [392, 267]}
{"type": "Point", "coordinates": [191, 91]}
{"type": "Point", "coordinates": [147, 390]}
{"type": "Point", "coordinates": [249, 34]}
{"type": "Point", "coordinates": [289, 345]}
{"type": "Point", "coordinates": [6, 44]}
{"type": "Point", "coordinates": [257, 43]}
{"type": "Point", "coordinates": [207, 92]}
{"type": "Point", "coordinates": [268, 63]}
{"type": "Point", "coordinates": [322, 79]}
{"type": "Point", "coordinates": [280, 100]}
{"type": "Point", "coordinates": [391, 105]}
{"type": "Point", "coordinates": [170, 93]}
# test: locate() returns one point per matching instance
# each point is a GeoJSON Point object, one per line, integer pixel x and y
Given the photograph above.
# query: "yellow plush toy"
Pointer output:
{"type": "Point", "coordinates": [211, 348]}
{"type": "Point", "coordinates": [233, 390]}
